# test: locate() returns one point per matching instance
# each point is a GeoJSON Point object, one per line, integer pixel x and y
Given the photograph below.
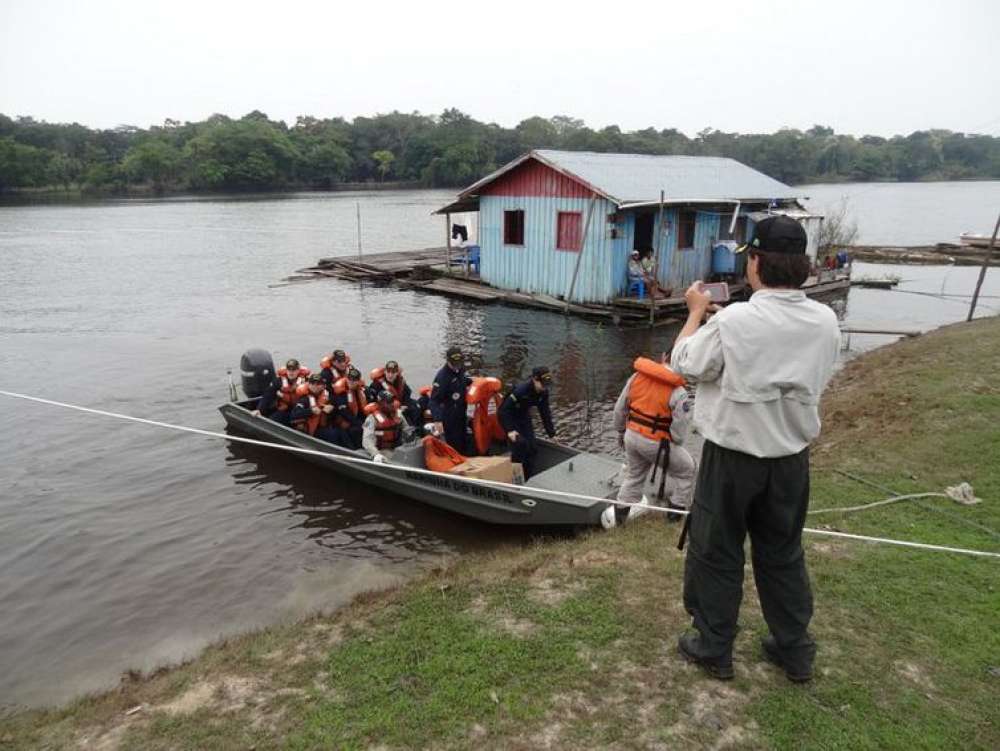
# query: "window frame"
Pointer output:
{"type": "Point", "coordinates": [578, 215]}
{"type": "Point", "coordinates": [681, 217]}
{"type": "Point", "coordinates": [508, 227]}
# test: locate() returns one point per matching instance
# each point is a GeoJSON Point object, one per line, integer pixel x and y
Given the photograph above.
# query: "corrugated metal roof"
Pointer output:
{"type": "Point", "coordinates": [627, 178]}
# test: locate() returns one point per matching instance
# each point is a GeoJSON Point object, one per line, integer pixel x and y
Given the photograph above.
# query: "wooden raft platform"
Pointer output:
{"type": "Point", "coordinates": [425, 270]}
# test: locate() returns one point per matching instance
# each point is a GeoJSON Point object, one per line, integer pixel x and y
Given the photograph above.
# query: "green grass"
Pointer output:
{"type": "Point", "coordinates": [570, 643]}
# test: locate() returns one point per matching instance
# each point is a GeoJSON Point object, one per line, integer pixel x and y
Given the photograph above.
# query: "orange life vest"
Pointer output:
{"type": "Point", "coordinates": [484, 395]}
{"type": "Point", "coordinates": [312, 423]}
{"type": "Point", "coordinates": [288, 386]}
{"type": "Point", "coordinates": [439, 456]}
{"type": "Point", "coordinates": [387, 427]}
{"type": "Point", "coordinates": [377, 377]}
{"type": "Point", "coordinates": [356, 399]}
{"type": "Point", "coordinates": [649, 399]}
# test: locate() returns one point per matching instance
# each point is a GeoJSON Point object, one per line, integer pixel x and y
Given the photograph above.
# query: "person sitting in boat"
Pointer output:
{"type": "Point", "coordinates": [277, 401]}
{"type": "Point", "coordinates": [425, 421]}
{"type": "Point", "coordinates": [333, 367]}
{"type": "Point", "coordinates": [349, 401]}
{"type": "Point", "coordinates": [515, 417]}
{"type": "Point", "coordinates": [447, 400]}
{"type": "Point", "coordinates": [383, 427]}
{"type": "Point", "coordinates": [313, 411]}
{"type": "Point", "coordinates": [390, 378]}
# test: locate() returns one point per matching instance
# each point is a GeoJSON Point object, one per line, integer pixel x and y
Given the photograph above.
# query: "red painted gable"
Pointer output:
{"type": "Point", "coordinates": [532, 178]}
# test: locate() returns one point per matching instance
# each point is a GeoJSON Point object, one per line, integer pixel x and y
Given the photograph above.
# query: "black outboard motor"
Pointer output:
{"type": "Point", "coordinates": [257, 370]}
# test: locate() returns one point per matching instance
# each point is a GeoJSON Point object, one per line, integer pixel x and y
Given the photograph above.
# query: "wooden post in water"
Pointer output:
{"type": "Point", "coordinates": [447, 243]}
{"type": "Point", "coordinates": [583, 247]}
{"type": "Point", "coordinates": [358, 205]}
{"type": "Point", "coordinates": [656, 259]}
{"type": "Point", "coordinates": [982, 271]}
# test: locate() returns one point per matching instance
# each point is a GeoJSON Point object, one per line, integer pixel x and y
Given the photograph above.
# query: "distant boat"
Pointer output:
{"type": "Point", "coordinates": [975, 240]}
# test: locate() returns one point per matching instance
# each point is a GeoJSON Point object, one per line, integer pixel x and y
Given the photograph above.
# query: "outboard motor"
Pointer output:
{"type": "Point", "coordinates": [257, 370]}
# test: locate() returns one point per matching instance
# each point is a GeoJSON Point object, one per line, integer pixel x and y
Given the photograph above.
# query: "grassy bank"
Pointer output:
{"type": "Point", "coordinates": [571, 643]}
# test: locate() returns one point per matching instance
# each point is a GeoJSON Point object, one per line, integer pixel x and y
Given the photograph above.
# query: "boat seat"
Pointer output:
{"type": "Point", "coordinates": [586, 474]}
{"type": "Point", "coordinates": [409, 455]}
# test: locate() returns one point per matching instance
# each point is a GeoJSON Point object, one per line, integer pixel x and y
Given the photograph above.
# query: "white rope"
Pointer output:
{"type": "Point", "coordinates": [522, 489]}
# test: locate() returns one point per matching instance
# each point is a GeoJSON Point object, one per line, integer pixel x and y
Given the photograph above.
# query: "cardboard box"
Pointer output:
{"type": "Point", "coordinates": [496, 468]}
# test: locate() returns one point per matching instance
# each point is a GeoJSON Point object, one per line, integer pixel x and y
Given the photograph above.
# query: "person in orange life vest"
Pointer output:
{"type": "Point", "coordinates": [516, 418]}
{"type": "Point", "coordinates": [390, 378]}
{"type": "Point", "coordinates": [349, 401]}
{"type": "Point", "coordinates": [277, 401]}
{"type": "Point", "coordinates": [425, 417]}
{"type": "Point", "coordinates": [383, 428]}
{"type": "Point", "coordinates": [313, 411]}
{"type": "Point", "coordinates": [652, 416]}
{"type": "Point", "coordinates": [333, 367]}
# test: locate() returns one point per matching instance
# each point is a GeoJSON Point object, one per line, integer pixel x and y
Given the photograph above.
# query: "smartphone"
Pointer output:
{"type": "Point", "coordinates": [719, 291]}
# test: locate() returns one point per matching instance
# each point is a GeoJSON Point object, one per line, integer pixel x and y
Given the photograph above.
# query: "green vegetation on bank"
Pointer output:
{"type": "Point", "coordinates": [446, 150]}
{"type": "Point", "coordinates": [570, 643]}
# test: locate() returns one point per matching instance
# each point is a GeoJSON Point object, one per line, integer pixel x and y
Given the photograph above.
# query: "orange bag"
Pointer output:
{"type": "Point", "coordinates": [439, 456]}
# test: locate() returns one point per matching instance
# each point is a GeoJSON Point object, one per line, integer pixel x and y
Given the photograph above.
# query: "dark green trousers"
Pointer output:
{"type": "Point", "coordinates": [738, 494]}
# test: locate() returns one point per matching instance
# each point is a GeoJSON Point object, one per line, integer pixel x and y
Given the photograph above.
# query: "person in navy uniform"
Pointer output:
{"type": "Point", "coordinates": [516, 418]}
{"type": "Point", "coordinates": [447, 400]}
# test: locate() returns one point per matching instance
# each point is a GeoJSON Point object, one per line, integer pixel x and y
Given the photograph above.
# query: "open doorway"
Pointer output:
{"type": "Point", "coordinates": [643, 231]}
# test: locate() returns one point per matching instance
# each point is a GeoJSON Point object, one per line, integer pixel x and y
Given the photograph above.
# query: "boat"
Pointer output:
{"type": "Point", "coordinates": [975, 240]}
{"type": "Point", "coordinates": [581, 479]}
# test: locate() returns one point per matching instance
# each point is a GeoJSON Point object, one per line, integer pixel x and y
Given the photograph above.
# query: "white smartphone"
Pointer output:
{"type": "Point", "coordinates": [719, 291]}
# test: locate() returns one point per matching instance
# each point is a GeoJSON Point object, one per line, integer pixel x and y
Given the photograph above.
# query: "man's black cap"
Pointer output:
{"type": "Point", "coordinates": [454, 354]}
{"type": "Point", "coordinates": [353, 373]}
{"type": "Point", "coordinates": [292, 364]}
{"type": "Point", "coordinates": [339, 354]}
{"type": "Point", "coordinates": [315, 378]}
{"type": "Point", "coordinates": [542, 373]}
{"type": "Point", "coordinates": [386, 397]}
{"type": "Point", "coordinates": [777, 234]}
{"type": "Point", "coordinates": [392, 365]}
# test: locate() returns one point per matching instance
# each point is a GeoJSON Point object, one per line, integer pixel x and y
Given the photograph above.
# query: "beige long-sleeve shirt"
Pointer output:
{"type": "Point", "coordinates": [760, 369]}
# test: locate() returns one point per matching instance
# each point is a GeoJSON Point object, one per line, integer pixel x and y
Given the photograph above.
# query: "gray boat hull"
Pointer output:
{"type": "Point", "coordinates": [564, 469]}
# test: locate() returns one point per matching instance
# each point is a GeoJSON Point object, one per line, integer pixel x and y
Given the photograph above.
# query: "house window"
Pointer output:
{"type": "Point", "coordinates": [739, 232]}
{"type": "Point", "coordinates": [569, 235]}
{"type": "Point", "coordinates": [685, 229]}
{"type": "Point", "coordinates": [513, 227]}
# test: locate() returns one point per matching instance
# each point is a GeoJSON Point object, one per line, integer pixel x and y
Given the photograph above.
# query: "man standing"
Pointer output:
{"type": "Point", "coordinates": [651, 417]}
{"type": "Point", "coordinates": [760, 368]}
{"type": "Point", "coordinates": [515, 417]}
{"type": "Point", "coordinates": [447, 400]}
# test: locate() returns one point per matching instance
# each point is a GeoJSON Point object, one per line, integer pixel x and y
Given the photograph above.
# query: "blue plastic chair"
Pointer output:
{"type": "Point", "coordinates": [637, 286]}
{"type": "Point", "coordinates": [472, 255]}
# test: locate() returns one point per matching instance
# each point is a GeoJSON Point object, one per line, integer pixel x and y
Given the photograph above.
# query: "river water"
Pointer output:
{"type": "Point", "coordinates": [124, 546]}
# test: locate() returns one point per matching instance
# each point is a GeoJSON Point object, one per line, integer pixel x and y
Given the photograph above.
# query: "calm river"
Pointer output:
{"type": "Point", "coordinates": [124, 546]}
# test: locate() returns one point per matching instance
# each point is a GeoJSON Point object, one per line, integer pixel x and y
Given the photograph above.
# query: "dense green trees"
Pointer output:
{"type": "Point", "coordinates": [450, 149]}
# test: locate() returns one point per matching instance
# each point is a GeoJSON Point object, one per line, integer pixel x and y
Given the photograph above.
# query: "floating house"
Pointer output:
{"type": "Point", "coordinates": [564, 223]}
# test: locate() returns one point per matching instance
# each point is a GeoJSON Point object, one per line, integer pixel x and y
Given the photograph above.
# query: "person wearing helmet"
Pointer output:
{"type": "Point", "coordinates": [390, 378]}
{"type": "Point", "coordinates": [350, 400]}
{"type": "Point", "coordinates": [277, 401]}
{"type": "Point", "coordinates": [383, 428]}
{"type": "Point", "coordinates": [447, 400]}
{"type": "Point", "coordinates": [333, 367]}
{"type": "Point", "coordinates": [515, 417]}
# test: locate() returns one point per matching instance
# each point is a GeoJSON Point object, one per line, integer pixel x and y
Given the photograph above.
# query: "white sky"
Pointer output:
{"type": "Point", "coordinates": [860, 67]}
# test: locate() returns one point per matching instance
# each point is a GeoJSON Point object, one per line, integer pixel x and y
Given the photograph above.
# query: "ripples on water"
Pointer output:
{"type": "Point", "coordinates": [126, 546]}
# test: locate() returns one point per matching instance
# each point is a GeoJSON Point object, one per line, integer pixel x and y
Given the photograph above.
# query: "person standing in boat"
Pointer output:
{"type": "Point", "coordinates": [383, 428]}
{"type": "Point", "coordinates": [390, 378]}
{"type": "Point", "coordinates": [333, 367]}
{"type": "Point", "coordinates": [349, 401]}
{"type": "Point", "coordinates": [761, 367]}
{"type": "Point", "coordinates": [313, 412]}
{"type": "Point", "coordinates": [652, 417]}
{"type": "Point", "coordinates": [515, 417]}
{"type": "Point", "coordinates": [447, 400]}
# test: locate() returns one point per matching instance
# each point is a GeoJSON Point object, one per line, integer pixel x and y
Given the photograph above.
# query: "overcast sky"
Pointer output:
{"type": "Point", "coordinates": [860, 67]}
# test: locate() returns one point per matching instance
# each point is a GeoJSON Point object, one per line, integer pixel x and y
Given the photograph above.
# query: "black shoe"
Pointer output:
{"type": "Point", "coordinates": [721, 667]}
{"type": "Point", "coordinates": [794, 673]}
{"type": "Point", "coordinates": [673, 518]}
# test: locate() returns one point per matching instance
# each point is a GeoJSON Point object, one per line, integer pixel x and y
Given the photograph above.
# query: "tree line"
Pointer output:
{"type": "Point", "coordinates": [452, 149]}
